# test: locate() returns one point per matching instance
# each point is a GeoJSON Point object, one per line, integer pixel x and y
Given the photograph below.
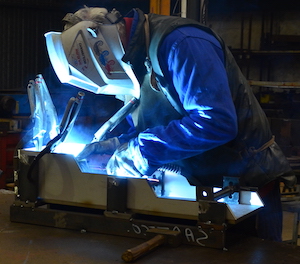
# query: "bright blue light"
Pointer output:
{"type": "Point", "coordinates": [255, 199]}
{"type": "Point", "coordinates": [198, 125]}
{"type": "Point", "coordinates": [177, 186]}
{"type": "Point", "coordinates": [69, 148]}
{"type": "Point", "coordinates": [186, 130]}
{"type": "Point", "coordinates": [204, 115]}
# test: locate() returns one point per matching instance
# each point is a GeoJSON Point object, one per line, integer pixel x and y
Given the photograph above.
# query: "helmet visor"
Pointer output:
{"type": "Point", "coordinates": [89, 56]}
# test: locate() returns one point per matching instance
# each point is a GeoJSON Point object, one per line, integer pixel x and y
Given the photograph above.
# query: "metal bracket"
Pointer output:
{"type": "Point", "coordinates": [26, 204]}
{"type": "Point", "coordinates": [116, 195]}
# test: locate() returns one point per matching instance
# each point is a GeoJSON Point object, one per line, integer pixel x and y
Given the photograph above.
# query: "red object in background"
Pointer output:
{"type": "Point", "coordinates": [8, 142]}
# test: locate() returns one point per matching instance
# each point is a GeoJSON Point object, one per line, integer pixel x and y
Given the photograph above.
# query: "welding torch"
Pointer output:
{"type": "Point", "coordinates": [116, 119]}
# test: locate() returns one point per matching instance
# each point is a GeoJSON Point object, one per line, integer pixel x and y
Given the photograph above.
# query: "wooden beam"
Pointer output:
{"type": "Point", "coordinates": [161, 7]}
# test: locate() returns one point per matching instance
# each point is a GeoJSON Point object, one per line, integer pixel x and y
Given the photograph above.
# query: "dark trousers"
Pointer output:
{"type": "Point", "coordinates": [269, 219]}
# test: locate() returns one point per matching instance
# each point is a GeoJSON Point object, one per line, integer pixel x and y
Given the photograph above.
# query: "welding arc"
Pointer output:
{"type": "Point", "coordinates": [66, 125]}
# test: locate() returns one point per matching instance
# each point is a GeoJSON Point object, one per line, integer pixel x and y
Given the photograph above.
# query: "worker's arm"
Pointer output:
{"type": "Point", "coordinates": [194, 67]}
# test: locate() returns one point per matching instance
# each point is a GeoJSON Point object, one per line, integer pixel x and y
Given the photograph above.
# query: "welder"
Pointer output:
{"type": "Point", "coordinates": [196, 109]}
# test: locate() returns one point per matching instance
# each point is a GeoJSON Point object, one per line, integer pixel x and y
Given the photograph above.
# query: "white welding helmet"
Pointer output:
{"type": "Point", "coordinates": [89, 55]}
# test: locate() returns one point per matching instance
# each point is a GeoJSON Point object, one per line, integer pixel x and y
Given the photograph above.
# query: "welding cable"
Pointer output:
{"type": "Point", "coordinates": [66, 125]}
{"type": "Point", "coordinates": [71, 114]}
{"type": "Point", "coordinates": [46, 150]}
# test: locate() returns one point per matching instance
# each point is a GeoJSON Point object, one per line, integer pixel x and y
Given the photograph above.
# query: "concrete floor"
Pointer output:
{"type": "Point", "coordinates": [31, 244]}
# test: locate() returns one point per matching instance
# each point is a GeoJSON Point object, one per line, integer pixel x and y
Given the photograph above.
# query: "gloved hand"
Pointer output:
{"type": "Point", "coordinates": [102, 147]}
{"type": "Point", "coordinates": [127, 160]}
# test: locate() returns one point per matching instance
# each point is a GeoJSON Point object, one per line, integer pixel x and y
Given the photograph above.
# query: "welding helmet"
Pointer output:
{"type": "Point", "coordinates": [89, 55]}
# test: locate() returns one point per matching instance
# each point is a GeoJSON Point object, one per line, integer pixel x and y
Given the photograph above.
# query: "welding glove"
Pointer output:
{"type": "Point", "coordinates": [101, 147]}
{"type": "Point", "coordinates": [128, 161]}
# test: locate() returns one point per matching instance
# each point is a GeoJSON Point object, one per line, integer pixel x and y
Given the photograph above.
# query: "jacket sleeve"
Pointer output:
{"type": "Point", "coordinates": [193, 66]}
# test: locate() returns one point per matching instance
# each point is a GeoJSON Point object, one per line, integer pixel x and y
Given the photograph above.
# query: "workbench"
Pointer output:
{"type": "Point", "coordinates": [32, 244]}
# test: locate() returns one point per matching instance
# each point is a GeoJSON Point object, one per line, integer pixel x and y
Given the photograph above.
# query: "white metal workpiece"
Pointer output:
{"type": "Point", "coordinates": [61, 181]}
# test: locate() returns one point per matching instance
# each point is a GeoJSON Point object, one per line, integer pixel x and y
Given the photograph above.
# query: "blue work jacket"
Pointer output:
{"type": "Point", "coordinates": [202, 115]}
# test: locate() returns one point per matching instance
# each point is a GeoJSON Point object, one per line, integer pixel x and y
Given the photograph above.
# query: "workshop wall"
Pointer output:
{"type": "Point", "coordinates": [264, 37]}
{"type": "Point", "coordinates": [258, 31]}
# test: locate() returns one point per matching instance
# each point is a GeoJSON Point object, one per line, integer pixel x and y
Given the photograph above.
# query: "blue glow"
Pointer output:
{"type": "Point", "coordinates": [186, 130]}
{"type": "Point", "coordinates": [204, 115]}
{"type": "Point", "coordinates": [69, 148]}
{"type": "Point", "coordinates": [234, 199]}
{"type": "Point", "coordinates": [92, 32]}
{"type": "Point", "coordinates": [177, 186]}
{"type": "Point", "coordinates": [204, 107]}
{"type": "Point", "coordinates": [198, 125]}
{"type": "Point", "coordinates": [255, 199]}
{"type": "Point", "coordinates": [40, 134]}
{"type": "Point", "coordinates": [64, 148]}
{"type": "Point", "coordinates": [156, 139]}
